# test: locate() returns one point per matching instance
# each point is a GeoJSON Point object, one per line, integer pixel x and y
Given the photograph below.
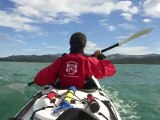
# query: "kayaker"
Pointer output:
{"type": "Point", "coordinates": [75, 68]}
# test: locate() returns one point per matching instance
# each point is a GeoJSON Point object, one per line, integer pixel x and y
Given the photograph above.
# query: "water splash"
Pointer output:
{"type": "Point", "coordinates": [18, 87]}
{"type": "Point", "coordinates": [127, 108]}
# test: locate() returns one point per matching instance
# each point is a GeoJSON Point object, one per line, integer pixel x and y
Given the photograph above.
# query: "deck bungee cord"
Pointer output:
{"type": "Point", "coordinates": [83, 101]}
{"type": "Point", "coordinates": [90, 100]}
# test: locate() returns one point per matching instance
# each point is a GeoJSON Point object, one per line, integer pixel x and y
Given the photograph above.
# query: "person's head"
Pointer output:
{"type": "Point", "coordinates": [77, 42]}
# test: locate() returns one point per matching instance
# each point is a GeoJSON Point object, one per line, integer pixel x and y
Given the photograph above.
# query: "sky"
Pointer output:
{"type": "Point", "coordinates": [38, 27]}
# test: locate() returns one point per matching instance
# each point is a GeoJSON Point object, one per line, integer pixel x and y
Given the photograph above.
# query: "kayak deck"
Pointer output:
{"type": "Point", "coordinates": [40, 107]}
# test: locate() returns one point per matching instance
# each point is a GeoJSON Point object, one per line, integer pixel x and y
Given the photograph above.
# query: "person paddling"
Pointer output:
{"type": "Point", "coordinates": [75, 68]}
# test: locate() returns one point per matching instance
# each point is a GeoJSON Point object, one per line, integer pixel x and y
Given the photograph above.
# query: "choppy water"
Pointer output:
{"type": "Point", "coordinates": [135, 89]}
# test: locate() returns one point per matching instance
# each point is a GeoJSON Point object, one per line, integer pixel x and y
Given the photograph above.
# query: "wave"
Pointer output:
{"type": "Point", "coordinates": [126, 108]}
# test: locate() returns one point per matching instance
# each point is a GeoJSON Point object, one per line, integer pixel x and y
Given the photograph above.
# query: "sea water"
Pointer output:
{"type": "Point", "coordinates": [135, 89]}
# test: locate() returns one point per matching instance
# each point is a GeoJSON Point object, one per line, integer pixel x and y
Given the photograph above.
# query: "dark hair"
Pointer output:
{"type": "Point", "coordinates": [77, 42]}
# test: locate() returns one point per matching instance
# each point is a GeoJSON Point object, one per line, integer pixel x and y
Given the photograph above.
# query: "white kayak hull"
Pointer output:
{"type": "Point", "coordinates": [42, 108]}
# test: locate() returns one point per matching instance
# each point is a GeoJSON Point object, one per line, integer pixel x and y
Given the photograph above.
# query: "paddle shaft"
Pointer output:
{"type": "Point", "coordinates": [106, 49]}
{"type": "Point", "coordinates": [31, 83]}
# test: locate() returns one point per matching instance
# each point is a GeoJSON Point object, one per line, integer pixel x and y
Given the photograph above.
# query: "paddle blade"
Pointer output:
{"type": "Point", "coordinates": [19, 87]}
{"type": "Point", "coordinates": [136, 35]}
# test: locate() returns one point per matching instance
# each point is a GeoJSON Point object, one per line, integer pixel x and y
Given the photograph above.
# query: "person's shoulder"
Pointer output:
{"type": "Point", "coordinates": [59, 58]}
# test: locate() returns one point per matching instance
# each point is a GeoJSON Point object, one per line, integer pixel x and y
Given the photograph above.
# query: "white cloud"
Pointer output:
{"type": "Point", "coordinates": [104, 23]}
{"type": "Point", "coordinates": [59, 12]}
{"type": "Point", "coordinates": [48, 19]}
{"type": "Point", "coordinates": [64, 19]}
{"type": "Point", "coordinates": [104, 8]}
{"type": "Point", "coordinates": [152, 8]}
{"type": "Point", "coordinates": [27, 11]}
{"type": "Point", "coordinates": [54, 47]}
{"type": "Point", "coordinates": [56, 9]}
{"type": "Point", "coordinates": [32, 49]}
{"type": "Point", "coordinates": [16, 22]}
{"type": "Point", "coordinates": [112, 28]}
{"type": "Point", "coordinates": [122, 37]}
{"type": "Point", "coordinates": [138, 50]}
{"type": "Point", "coordinates": [72, 7]}
{"type": "Point", "coordinates": [127, 26]}
{"type": "Point", "coordinates": [90, 44]}
{"type": "Point", "coordinates": [91, 47]}
{"type": "Point", "coordinates": [19, 41]}
{"type": "Point", "coordinates": [127, 16]}
{"type": "Point", "coordinates": [126, 7]}
{"type": "Point", "coordinates": [6, 37]}
{"type": "Point", "coordinates": [134, 10]}
{"type": "Point", "coordinates": [147, 20]}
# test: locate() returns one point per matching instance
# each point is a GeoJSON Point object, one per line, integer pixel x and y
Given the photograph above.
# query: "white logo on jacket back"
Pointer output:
{"type": "Point", "coordinates": [71, 67]}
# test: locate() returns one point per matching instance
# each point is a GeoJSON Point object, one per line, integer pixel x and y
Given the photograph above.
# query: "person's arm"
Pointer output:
{"type": "Point", "coordinates": [100, 68]}
{"type": "Point", "coordinates": [48, 74]}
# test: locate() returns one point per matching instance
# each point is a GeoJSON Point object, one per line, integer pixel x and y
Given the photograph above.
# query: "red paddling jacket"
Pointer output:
{"type": "Point", "coordinates": [73, 69]}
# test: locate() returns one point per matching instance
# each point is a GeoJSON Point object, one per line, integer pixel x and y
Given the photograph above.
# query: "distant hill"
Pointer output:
{"type": "Point", "coordinates": [135, 59]}
{"type": "Point", "coordinates": [115, 58]}
{"type": "Point", "coordinates": [31, 58]}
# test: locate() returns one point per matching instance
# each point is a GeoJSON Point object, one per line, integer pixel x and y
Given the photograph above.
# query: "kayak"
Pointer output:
{"type": "Point", "coordinates": [53, 103]}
